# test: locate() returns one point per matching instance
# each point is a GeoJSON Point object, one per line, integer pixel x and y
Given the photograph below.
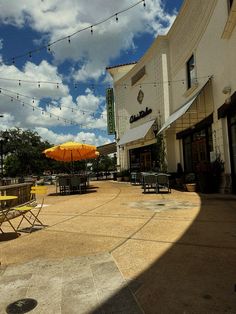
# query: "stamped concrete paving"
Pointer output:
{"type": "Point", "coordinates": [117, 250]}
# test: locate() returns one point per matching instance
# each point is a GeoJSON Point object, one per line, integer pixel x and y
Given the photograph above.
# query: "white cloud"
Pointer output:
{"type": "Point", "coordinates": [82, 137]}
{"type": "Point", "coordinates": [90, 54]}
{"type": "Point", "coordinates": [56, 19]}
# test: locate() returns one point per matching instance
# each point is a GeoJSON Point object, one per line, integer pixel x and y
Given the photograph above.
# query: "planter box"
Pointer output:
{"type": "Point", "coordinates": [191, 187]}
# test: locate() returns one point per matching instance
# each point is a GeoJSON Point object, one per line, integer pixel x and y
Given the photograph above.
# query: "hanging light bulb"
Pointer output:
{"type": "Point", "coordinates": [30, 54]}
{"type": "Point", "coordinates": [38, 84]}
{"type": "Point", "coordinates": [33, 100]}
{"type": "Point", "coordinates": [91, 30]}
{"type": "Point", "coordinates": [57, 85]}
{"type": "Point", "coordinates": [13, 60]}
{"type": "Point", "coordinates": [68, 39]}
{"type": "Point", "coordinates": [144, 3]}
{"type": "Point", "coordinates": [117, 20]}
{"type": "Point", "coordinates": [19, 83]}
{"type": "Point", "coordinates": [17, 96]}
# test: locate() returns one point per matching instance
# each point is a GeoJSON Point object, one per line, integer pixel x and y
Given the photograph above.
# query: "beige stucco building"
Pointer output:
{"type": "Point", "coordinates": [188, 80]}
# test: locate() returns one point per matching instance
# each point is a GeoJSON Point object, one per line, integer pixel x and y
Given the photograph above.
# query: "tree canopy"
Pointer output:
{"type": "Point", "coordinates": [22, 151]}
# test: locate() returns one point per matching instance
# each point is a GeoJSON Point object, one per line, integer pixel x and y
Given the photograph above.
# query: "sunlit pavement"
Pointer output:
{"type": "Point", "coordinates": [117, 250]}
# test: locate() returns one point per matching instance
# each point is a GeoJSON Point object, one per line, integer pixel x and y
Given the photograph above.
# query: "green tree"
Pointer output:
{"type": "Point", "coordinates": [22, 152]}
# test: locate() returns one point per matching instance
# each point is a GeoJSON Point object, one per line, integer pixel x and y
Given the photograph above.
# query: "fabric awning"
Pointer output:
{"type": "Point", "coordinates": [177, 114]}
{"type": "Point", "coordinates": [136, 133]}
{"type": "Point", "coordinates": [194, 116]}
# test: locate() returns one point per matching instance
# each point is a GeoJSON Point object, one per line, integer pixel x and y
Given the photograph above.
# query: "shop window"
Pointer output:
{"type": "Point", "coordinates": [191, 72]}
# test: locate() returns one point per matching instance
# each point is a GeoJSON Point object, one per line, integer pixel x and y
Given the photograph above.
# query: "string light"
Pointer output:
{"type": "Point", "coordinates": [69, 39]}
{"type": "Point", "coordinates": [43, 112]}
{"type": "Point", "coordinates": [92, 86]}
{"type": "Point", "coordinates": [48, 46]}
{"type": "Point", "coordinates": [86, 111]}
{"type": "Point", "coordinates": [117, 20]}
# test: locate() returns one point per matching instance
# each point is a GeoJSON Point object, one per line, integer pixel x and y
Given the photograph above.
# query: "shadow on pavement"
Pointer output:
{"type": "Point", "coordinates": [6, 236]}
{"type": "Point", "coordinates": [195, 273]}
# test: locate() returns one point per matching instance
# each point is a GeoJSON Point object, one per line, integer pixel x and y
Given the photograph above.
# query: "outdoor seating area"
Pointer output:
{"type": "Point", "coordinates": [28, 212]}
{"type": "Point", "coordinates": [152, 181]}
{"type": "Point", "coordinates": [72, 184]}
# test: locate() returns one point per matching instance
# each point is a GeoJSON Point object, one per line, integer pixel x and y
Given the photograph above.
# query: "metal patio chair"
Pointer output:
{"type": "Point", "coordinates": [163, 182]}
{"type": "Point", "coordinates": [150, 182]}
{"type": "Point", "coordinates": [30, 212]}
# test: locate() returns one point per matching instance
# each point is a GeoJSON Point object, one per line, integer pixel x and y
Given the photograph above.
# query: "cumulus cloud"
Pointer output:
{"type": "Point", "coordinates": [57, 19]}
{"type": "Point", "coordinates": [82, 137]}
{"type": "Point", "coordinates": [48, 106]}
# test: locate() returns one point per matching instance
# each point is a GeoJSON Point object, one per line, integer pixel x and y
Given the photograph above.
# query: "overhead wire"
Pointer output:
{"type": "Point", "coordinates": [68, 37]}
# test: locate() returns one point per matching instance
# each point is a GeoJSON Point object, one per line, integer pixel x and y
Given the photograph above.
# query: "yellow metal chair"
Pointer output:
{"type": "Point", "coordinates": [31, 211]}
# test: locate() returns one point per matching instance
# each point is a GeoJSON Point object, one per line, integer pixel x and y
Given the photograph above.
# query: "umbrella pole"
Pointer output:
{"type": "Point", "coordinates": [72, 162]}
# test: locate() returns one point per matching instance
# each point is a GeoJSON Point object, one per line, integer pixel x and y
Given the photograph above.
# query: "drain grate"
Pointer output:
{"type": "Point", "coordinates": [21, 306]}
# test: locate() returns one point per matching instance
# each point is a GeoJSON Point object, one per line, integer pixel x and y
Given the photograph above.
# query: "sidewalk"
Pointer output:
{"type": "Point", "coordinates": [117, 250]}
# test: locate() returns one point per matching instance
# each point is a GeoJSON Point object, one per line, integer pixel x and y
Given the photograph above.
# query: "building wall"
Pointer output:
{"type": "Point", "coordinates": [198, 30]}
{"type": "Point", "coordinates": [156, 94]}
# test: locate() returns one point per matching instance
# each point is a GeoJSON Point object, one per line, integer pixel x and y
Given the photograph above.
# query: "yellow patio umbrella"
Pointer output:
{"type": "Point", "coordinates": [72, 151]}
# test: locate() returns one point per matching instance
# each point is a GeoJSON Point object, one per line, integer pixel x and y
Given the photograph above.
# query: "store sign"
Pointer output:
{"type": "Point", "coordinates": [110, 111]}
{"type": "Point", "coordinates": [141, 114]}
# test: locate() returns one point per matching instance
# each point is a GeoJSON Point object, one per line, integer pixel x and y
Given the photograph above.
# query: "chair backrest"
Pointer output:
{"type": "Point", "coordinates": [162, 178]}
{"type": "Point", "coordinates": [150, 179]}
{"type": "Point", "coordinates": [64, 181]}
{"type": "Point", "coordinates": [75, 181]}
{"type": "Point", "coordinates": [38, 190]}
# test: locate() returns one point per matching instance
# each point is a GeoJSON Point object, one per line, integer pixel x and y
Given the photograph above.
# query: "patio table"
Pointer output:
{"type": "Point", "coordinates": [5, 209]}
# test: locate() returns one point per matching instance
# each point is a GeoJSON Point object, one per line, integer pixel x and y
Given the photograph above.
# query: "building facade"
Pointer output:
{"type": "Point", "coordinates": [140, 96]}
{"type": "Point", "coordinates": [193, 96]}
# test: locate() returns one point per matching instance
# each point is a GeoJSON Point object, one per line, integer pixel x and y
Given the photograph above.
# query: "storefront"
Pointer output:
{"type": "Point", "coordinates": [228, 111]}
{"type": "Point", "coordinates": [143, 158]}
{"type": "Point", "coordinates": [197, 144]}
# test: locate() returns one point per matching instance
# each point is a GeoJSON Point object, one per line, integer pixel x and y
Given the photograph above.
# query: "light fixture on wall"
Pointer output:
{"type": "Point", "coordinates": [227, 91]}
{"type": "Point", "coordinates": [155, 129]}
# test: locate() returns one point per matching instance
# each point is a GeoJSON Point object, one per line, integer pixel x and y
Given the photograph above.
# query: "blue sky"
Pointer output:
{"type": "Point", "coordinates": [60, 92]}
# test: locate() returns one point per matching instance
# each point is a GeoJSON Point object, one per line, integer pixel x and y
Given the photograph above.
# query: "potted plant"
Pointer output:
{"type": "Point", "coordinates": [209, 175]}
{"type": "Point", "coordinates": [119, 176]}
{"type": "Point", "coordinates": [126, 175]}
{"type": "Point", "coordinates": [190, 182]}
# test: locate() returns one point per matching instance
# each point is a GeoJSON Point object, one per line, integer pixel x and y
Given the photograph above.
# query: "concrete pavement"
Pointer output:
{"type": "Point", "coordinates": [117, 250]}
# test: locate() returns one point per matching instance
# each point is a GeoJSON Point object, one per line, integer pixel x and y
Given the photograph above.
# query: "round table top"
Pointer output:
{"type": "Point", "coordinates": [7, 197]}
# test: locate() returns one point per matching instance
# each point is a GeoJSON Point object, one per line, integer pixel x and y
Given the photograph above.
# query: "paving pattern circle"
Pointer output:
{"type": "Point", "coordinates": [162, 205]}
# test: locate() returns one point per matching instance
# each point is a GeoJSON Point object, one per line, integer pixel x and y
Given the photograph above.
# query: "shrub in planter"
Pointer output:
{"type": "Point", "coordinates": [209, 175]}
{"type": "Point", "coordinates": [190, 182]}
{"type": "Point", "coordinates": [126, 175]}
{"type": "Point", "coordinates": [119, 177]}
